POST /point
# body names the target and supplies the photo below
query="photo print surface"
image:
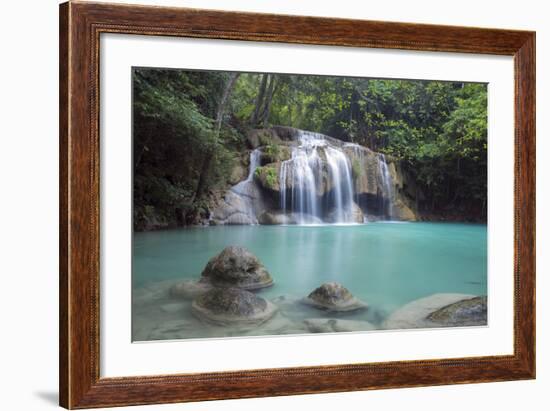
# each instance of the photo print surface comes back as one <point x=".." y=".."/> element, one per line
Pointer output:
<point x="280" y="204"/>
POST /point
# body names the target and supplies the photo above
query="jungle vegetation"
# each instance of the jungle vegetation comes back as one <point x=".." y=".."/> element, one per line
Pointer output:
<point x="190" y="127"/>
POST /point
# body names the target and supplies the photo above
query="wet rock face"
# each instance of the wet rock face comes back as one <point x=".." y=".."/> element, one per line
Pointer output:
<point x="237" y="267"/>
<point x="355" y="215"/>
<point x="468" y="312"/>
<point x="233" y="210"/>
<point x="402" y="211"/>
<point x="238" y="172"/>
<point x="334" y="297"/>
<point x="232" y="305"/>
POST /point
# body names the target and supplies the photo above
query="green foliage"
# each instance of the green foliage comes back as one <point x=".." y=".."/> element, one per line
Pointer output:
<point x="175" y="142"/>
<point x="268" y="176"/>
<point x="265" y="138"/>
<point x="437" y="130"/>
<point x="272" y="152"/>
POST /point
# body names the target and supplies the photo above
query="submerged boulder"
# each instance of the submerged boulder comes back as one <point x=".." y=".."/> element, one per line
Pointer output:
<point x="330" y="325"/>
<point x="416" y="313"/>
<point x="333" y="297"/>
<point x="226" y="306"/>
<point x="466" y="312"/>
<point x="237" y="267"/>
<point x="190" y="288"/>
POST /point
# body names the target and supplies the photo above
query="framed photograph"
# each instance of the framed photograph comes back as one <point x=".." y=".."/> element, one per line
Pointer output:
<point x="259" y="205"/>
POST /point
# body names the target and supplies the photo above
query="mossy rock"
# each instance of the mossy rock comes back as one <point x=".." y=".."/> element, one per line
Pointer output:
<point x="238" y="173"/>
<point x="268" y="177"/>
<point x="275" y="153"/>
<point x="266" y="137"/>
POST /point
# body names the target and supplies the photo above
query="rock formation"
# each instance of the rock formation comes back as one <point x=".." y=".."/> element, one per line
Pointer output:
<point x="237" y="267"/>
<point x="467" y="312"/>
<point x="227" y="306"/>
<point x="234" y="267"/>
<point x="333" y="297"/>
<point x="301" y="177"/>
<point x="440" y="310"/>
<point x="190" y="289"/>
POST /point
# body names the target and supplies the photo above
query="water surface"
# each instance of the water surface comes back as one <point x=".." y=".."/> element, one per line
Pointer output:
<point x="385" y="264"/>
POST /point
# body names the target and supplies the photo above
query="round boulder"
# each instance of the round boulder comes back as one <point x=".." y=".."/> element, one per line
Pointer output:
<point x="237" y="267"/>
<point x="227" y="306"/>
<point x="333" y="297"/>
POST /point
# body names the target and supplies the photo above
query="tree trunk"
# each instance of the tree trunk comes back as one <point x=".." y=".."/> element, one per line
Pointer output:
<point x="207" y="160"/>
<point x="201" y="184"/>
<point x="225" y="97"/>
<point x="259" y="100"/>
<point x="268" y="99"/>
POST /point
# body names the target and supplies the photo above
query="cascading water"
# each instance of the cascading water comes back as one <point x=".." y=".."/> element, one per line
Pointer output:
<point x="316" y="185"/>
<point x="302" y="177"/>
<point x="340" y="173"/>
<point x="255" y="156"/>
<point x="387" y="184"/>
<point x="359" y="156"/>
<point x="246" y="188"/>
<point x="301" y="171"/>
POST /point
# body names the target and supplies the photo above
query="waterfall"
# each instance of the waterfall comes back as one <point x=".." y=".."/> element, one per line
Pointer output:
<point x="322" y="181"/>
<point x="340" y="173"/>
<point x="255" y="156"/>
<point x="387" y="184"/>
<point x="246" y="191"/>
<point x="302" y="176"/>
<point x="359" y="157"/>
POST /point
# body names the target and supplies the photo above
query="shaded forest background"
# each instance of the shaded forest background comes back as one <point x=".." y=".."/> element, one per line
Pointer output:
<point x="190" y="127"/>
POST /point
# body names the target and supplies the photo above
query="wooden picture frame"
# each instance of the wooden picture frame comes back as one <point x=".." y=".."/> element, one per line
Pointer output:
<point x="80" y="27"/>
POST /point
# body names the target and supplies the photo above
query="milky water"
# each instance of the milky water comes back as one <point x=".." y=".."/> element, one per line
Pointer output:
<point x="387" y="184"/>
<point x="305" y="169"/>
<point x="385" y="264"/>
